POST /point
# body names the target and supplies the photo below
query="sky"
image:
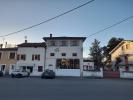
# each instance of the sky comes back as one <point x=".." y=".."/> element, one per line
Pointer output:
<point x="19" y="14"/>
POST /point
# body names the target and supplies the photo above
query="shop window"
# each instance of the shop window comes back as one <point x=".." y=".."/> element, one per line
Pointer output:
<point x="67" y="63"/>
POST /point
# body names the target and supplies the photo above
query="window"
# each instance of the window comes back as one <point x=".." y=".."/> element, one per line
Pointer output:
<point x="18" y="57"/>
<point x="36" y="57"/>
<point x="32" y="57"/>
<point x="122" y="48"/>
<point x="12" y="56"/>
<point x="67" y="63"/>
<point x="40" y="68"/>
<point x="12" y="66"/>
<point x="52" y="43"/>
<point x="75" y="43"/>
<point x="30" y="69"/>
<point x="63" y="54"/>
<point x="0" y="55"/>
<point x="127" y="46"/>
<point x="3" y="67"/>
<point x="51" y="54"/>
<point x="63" y="43"/>
<point x="23" y="57"/>
<point x="74" y="54"/>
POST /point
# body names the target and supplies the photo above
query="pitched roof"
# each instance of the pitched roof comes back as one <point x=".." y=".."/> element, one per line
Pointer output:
<point x="121" y="43"/>
<point x="9" y="49"/>
<point x="64" y="38"/>
<point x="42" y="44"/>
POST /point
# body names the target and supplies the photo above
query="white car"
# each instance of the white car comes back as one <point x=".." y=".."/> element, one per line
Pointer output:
<point x="19" y="74"/>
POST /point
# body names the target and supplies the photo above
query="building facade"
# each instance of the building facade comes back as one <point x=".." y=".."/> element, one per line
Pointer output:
<point x="64" y="55"/>
<point x="31" y="58"/>
<point x="7" y="59"/>
<point x="122" y="55"/>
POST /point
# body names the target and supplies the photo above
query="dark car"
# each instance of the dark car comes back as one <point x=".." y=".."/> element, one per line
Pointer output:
<point x="1" y="73"/>
<point x="48" y="74"/>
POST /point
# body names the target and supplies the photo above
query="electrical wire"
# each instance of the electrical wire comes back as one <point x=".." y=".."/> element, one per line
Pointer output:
<point x="48" y="19"/>
<point x="117" y="23"/>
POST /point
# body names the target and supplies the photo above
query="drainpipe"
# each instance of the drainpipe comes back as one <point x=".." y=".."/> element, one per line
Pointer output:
<point x="45" y="48"/>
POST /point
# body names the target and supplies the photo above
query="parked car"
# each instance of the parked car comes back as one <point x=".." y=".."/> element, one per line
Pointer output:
<point x="1" y="74"/>
<point x="48" y="74"/>
<point x="19" y="74"/>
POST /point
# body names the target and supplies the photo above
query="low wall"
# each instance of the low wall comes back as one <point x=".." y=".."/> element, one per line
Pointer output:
<point x="126" y="74"/>
<point x="67" y="72"/>
<point x="93" y="73"/>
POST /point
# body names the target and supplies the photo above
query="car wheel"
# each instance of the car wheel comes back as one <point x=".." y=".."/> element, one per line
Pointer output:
<point x="19" y="75"/>
<point x="12" y="76"/>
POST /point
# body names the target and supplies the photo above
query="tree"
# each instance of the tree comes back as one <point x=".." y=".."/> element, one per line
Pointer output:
<point x="118" y="60"/>
<point x="96" y="53"/>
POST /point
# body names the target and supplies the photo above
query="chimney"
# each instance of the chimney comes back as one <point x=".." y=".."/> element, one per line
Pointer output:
<point x="50" y="35"/>
<point x="25" y="39"/>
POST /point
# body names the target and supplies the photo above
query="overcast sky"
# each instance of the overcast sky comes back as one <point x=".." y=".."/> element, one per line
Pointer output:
<point x="19" y="14"/>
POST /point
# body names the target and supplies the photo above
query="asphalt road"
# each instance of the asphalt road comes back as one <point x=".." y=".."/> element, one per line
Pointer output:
<point x="65" y="89"/>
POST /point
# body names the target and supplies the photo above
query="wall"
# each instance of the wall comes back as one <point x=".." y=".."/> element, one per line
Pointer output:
<point x="29" y="51"/>
<point x="93" y="73"/>
<point x="67" y="72"/>
<point x="58" y="50"/>
<point x="126" y="74"/>
<point x="5" y="59"/>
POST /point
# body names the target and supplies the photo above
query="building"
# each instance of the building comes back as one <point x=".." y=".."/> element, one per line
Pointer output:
<point x="88" y="64"/>
<point x="122" y="55"/>
<point x="7" y="59"/>
<point x="31" y="57"/>
<point x="64" y="55"/>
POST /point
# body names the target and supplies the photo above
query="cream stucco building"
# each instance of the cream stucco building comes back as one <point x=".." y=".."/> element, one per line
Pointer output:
<point x="7" y="59"/>
<point x="124" y="51"/>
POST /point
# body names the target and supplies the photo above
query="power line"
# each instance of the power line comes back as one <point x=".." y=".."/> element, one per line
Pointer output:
<point x="117" y="23"/>
<point x="48" y="19"/>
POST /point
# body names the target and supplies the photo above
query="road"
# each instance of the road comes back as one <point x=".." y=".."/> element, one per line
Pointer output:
<point x="65" y="89"/>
